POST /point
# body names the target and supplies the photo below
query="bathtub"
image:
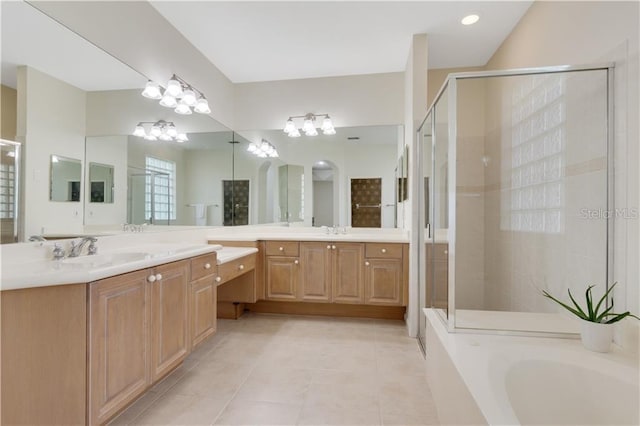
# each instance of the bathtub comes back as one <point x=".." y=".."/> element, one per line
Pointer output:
<point x="512" y="380"/>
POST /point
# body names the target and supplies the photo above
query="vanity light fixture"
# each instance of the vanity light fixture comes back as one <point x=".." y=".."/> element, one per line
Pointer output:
<point x="309" y="125"/>
<point x="263" y="149"/>
<point x="179" y="95"/>
<point x="163" y="130"/>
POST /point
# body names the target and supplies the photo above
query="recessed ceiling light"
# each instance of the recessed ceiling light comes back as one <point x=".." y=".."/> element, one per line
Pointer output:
<point x="470" y="19"/>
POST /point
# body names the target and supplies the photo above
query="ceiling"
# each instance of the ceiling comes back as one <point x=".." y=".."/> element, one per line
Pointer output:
<point x="268" y="40"/>
<point x="31" y="38"/>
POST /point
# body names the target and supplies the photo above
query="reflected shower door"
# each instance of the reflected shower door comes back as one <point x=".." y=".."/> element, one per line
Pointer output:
<point x="366" y="200"/>
<point x="236" y="202"/>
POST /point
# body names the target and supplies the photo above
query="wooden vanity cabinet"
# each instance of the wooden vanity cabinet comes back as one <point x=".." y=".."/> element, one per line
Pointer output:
<point x="331" y="272"/>
<point x="282" y="270"/>
<point x="202" y="298"/>
<point x="315" y="276"/>
<point x="170" y="321"/>
<point x="385" y="279"/>
<point x="139" y="331"/>
<point x="119" y="343"/>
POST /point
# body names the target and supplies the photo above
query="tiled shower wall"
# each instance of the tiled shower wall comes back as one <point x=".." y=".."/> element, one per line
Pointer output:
<point x="542" y="161"/>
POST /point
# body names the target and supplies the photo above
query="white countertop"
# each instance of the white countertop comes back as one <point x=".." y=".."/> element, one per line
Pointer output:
<point x="294" y="234"/>
<point x="46" y="272"/>
<point x="228" y="254"/>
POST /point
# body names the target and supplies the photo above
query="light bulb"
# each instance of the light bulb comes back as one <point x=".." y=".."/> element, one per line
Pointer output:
<point x="274" y="154"/>
<point x="262" y="154"/>
<point x="139" y="131"/>
<point x="151" y="138"/>
<point x="308" y="125"/>
<point x="326" y="123"/>
<point x="251" y="148"/>
<point x="168" y="100"/>
<point x="182" y="137"/>
<point x="290" y="126"/>
<point x="182" y="108"/>
<point x="165" y="137"/>
<point x="171" y="130"/>
<point x="189" y="97"/>
<point x="311" y="132"/>
<point x="174" y="88"/>
<point x="202" y="106"/>
<point x="330" y="131"/>
<point x="295" y="133"/>
<point x="152" y="90"/>
<point x="155" y="131"/>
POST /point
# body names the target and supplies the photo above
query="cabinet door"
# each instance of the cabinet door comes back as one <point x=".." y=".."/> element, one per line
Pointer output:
<point x="203" y="309"/>
<point x="282" y="278"/>
<point x="119" y="316"/>
<point x="383" y="282"/>
<point x="315" y="282"/>
<point x="348" y="279"/>
<point x="169" y="307"/>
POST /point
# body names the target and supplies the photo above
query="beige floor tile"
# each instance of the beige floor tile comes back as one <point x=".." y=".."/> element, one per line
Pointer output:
<point x="314" y="415"/>
<point x="400" y="362"/>
<point x="127" y="416"/>
<point x="164" y="410"/>
<point x="338" y="377"/>
<point x="220" y="381"/>
<point x="347" y="357"/>
<point x="259" y="413"/>
<point x="352" y="396"/>
<point x="286" y="385"/>
<point x="406" y="419"/>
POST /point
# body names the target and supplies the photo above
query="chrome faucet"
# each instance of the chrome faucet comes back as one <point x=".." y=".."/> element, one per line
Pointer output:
<point x="37" y="238"/>
<point x="76" y="248"/>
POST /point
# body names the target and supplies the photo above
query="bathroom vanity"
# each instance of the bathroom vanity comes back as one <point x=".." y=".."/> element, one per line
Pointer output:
<point x="86" y="336"/>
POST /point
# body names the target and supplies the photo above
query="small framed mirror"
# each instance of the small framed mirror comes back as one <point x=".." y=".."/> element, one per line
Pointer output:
<point x="100" y="183"/>
<point x="66" y="179"/>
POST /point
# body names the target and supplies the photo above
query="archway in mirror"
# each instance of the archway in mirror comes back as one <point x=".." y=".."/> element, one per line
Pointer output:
<point x="325" y="191"/>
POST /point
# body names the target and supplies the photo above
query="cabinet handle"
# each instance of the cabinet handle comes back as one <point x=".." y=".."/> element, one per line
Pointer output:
<point x="446" y="252"/>
<point x="383" y="250"/>
<point x="329" y="247"/>
<point x="218" y="279"/>
<point x="281" y="248"/>
<point x="207" y="266"/>
<point x="151" y="278"/>
<point x="296" y="261"/>
<point x="158" y="277"/>
<point x="333" y="247"/>
<point x="241" y="267"/>
<point x="366" y="263"/>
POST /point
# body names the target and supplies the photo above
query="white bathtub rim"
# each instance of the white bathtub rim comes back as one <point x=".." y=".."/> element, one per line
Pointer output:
<point x="482" y="361"/>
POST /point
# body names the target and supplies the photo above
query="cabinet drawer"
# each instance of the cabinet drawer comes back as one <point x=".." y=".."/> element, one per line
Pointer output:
<point x="202" y="266"/>
<point x="282" y="248"/>
<point x="230" y="270"/>
<point x="383" y="250"/>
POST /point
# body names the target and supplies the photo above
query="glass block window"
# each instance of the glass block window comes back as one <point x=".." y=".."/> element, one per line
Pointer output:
<point x="160" y="189"/>
<point x="535" y="168"/>
<point x="7" y="187"/>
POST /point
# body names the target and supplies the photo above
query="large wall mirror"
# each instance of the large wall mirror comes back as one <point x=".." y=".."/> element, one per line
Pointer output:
<point x="212" y="179"/>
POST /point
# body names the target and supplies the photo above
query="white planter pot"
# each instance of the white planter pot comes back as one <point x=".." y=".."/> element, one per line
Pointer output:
<point x="595" y="336"/>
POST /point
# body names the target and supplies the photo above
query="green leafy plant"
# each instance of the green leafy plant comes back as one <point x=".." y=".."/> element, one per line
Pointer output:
<point x="592" y="314"/>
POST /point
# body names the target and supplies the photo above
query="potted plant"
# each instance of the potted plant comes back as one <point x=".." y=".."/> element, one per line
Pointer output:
<point x="596" y="325"/>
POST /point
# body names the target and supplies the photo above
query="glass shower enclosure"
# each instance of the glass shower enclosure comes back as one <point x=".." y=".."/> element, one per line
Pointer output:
<point x="518" y="170"/>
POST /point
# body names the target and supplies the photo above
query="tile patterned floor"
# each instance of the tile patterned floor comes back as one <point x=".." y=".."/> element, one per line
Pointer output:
<point x="294" y="370"/>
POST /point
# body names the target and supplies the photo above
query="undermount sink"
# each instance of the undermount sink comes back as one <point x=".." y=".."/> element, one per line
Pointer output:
<point x="107" y="259"/>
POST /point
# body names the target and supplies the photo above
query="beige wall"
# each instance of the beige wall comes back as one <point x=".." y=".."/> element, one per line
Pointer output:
<point x="8" y="111"/>
<point x="555" y="33"/>
<point x="437" y="77"/>
<point x="362" y="100"/>
<point x="46" y="131"/>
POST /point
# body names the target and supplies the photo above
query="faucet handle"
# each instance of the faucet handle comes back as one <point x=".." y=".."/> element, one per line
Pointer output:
<point x="93" y="249"/>
<point x="58" y="252"/>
